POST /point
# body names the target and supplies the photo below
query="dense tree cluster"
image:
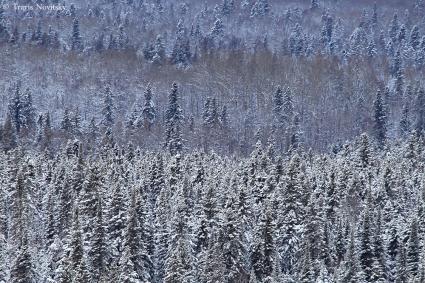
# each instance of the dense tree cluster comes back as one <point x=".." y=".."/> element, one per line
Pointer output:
<point x="136" y="216"/>
<point x="212" y="141"/>
<point x="108" y="66"/>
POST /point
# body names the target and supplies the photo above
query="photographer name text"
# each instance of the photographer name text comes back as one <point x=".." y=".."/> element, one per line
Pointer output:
<point x="17" y="7"/>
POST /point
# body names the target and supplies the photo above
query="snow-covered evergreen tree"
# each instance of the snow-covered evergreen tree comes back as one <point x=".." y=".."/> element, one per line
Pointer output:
<point x="174" y="122"/>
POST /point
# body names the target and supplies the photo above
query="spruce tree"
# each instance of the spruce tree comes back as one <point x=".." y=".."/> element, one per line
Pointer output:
<point x="260" y="8"/>
<point x="217" y="31"/>
<point x="8" y="138"/>
<point x="108" y="109"/>
<point x="278" y="121"/>
<point x="380" y="119"/>
<point x="66" y="123"/>
<point x="351" y="262"/>
<point x="76" y="40"/>
<point x="76" y="123"/>
<point x="47" y="132"/>
<point x="14" y="37"/>
<point x="15" y="108"/>
<point x="395" y="64"/>
<point x="3" y="29"/>
<point x="28" y="111"/>
<point x="149" y="111"/>
<point x="89" y="199"/>
<point x="375" y="14"/>
<point x="420" y="108"/>
<point x="307" y="271"/>
<point x="413" y="251"/>
<point x="366" y="249"/>
<point x="263" y="248"/>
<point x="181" y="54"/>
<point x="135" y="261"/>
<point x="23" y="268"/>
<point x="97" y="239"/>
<point x="414" y="37"/>
<point x="401" y="269"/>
<point x="394" y="28"/>
<point x="180" y="262"/>
<point x="99" y="44"/>
<point x="74" y="252"/>
<point x="291" y="215"/>
<point x="173" y="122"/>
<point x="405" y="122"/>
<point x="364" y="151"/>
<point x="159" y="56"/>
<point x="296" y="139"/>
<point x="92" y="134"/>
<point x="378" y="251"/>
<point x="162" y="212"/>
<point x="234" y="245"/>
<point x="116" y="220"/>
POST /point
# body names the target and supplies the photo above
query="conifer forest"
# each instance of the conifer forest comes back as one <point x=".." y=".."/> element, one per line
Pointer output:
<point x="212" y="141"/>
